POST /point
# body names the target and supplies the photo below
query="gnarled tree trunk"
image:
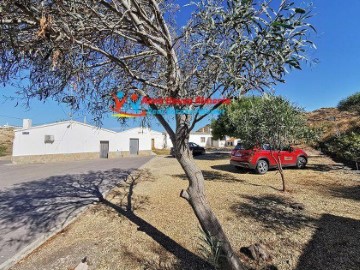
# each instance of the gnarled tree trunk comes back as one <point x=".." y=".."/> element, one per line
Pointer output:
<point x="195" y="195"/>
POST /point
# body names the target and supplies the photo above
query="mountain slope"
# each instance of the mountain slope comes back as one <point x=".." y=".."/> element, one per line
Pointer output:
<point x="332" y="121"/>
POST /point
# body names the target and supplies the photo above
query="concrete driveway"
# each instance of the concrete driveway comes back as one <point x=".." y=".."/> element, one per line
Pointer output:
<point x="37" y="198"/>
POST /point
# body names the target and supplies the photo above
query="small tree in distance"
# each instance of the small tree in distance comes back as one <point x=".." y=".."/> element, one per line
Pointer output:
<point x="351" y="103"/>
<point x="268" y="119"/>
<point x="98" y="48"/>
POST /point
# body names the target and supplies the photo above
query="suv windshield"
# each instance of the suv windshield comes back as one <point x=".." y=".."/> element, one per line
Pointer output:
<point x="191" y="144"/>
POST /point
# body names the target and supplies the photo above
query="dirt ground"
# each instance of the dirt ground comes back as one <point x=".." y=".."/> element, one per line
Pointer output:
<point x="146" y="225"/>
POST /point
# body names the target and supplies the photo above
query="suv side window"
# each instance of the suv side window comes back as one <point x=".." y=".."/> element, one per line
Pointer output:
<point x="266" y="147"/>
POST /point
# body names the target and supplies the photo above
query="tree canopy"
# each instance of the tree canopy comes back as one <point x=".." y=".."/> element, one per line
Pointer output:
<point x="80" y="51"/>
<point x="267" y="119"/>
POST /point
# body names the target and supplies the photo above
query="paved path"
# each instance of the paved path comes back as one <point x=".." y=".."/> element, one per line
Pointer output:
<point x="36" y="198"/>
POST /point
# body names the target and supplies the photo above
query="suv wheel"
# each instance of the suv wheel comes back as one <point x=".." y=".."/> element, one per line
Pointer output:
<point x="262" y="167"/>
<point x="301" y="162"/>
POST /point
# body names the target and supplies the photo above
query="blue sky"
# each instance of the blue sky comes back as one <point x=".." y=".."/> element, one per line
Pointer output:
<point x="336" y="76"/>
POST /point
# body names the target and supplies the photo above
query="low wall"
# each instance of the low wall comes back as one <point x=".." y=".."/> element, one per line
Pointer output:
<point x="71" y="157"/>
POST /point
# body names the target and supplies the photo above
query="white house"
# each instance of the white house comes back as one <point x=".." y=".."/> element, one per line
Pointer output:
<point x="201" y="137"/>
<point x="72" y="140"/>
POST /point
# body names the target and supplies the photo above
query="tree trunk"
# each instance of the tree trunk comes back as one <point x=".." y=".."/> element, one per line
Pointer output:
<point x="280" y="169"/>
<point x="195" y="195"/>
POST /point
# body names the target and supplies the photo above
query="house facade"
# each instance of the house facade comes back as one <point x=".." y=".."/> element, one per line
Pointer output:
<point x="72" y="140"/>
<point x="202" y="137"/>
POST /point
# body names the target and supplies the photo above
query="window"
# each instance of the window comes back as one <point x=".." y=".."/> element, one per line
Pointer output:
<point x="49" y="139"/>
<point x="25" y="133"/>
<point x="202" y="139"/>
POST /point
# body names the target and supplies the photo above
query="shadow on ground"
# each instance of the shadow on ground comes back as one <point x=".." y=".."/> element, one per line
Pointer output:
<point x="213" y="156"/>
<point x="213" y="176"/>
<point x="208" y="156"/>
<point x="37" y="207"/>
<point x="232" y="169"/>
<point x="334" y="246"/>
<point x="347" y="192"/>
<point x="327" y="167"/>
<point x="273" y="212"/>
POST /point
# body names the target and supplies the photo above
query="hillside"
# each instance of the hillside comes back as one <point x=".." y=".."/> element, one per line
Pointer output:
<point x="6" y="141"/>
<point x="332" y="121"/>
<point x="340" y="138"/>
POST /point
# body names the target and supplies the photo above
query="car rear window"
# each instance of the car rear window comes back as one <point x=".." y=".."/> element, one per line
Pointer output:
<point x="239" y="146"/>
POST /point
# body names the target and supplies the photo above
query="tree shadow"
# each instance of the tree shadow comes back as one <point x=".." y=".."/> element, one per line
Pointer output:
<point x="164" y="260"/>
<point x="347" y="192"/>
<point x="213" y="156"/>
<point x="208" y="156"/>
<point x="334" y="246"/>
<point x="327" y="167"/>
<point x="273" y="212"/>
<point x="31" y="209"/>
<point x="232" y="169"/>
<point x="213" y="176"/>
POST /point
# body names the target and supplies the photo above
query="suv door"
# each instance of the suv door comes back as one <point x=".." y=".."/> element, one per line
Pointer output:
<point x="287" y="157"/>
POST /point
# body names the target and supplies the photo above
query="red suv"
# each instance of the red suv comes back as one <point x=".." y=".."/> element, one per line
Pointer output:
<point x="262" y="158"/>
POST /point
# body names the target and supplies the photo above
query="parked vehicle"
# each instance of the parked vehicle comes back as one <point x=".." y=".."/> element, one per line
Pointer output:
<point x="195" y="149"/>
<point x="261" y="159"/>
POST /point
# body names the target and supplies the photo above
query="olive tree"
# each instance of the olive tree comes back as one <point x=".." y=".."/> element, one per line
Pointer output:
<point x="268" y="119"/>
<point x="100" y="47"/>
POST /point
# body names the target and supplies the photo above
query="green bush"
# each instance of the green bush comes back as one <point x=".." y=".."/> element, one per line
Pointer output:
<point x="351" y="103"/>
<point x="345" y="147"/>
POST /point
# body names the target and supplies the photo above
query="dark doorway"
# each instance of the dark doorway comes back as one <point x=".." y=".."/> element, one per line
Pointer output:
<point x="134" y="146"/>
<point x="104" y="149"/>
<point x="152" y="144"/>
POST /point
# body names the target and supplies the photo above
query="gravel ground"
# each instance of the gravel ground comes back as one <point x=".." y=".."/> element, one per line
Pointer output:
<point x="157" y="229"/>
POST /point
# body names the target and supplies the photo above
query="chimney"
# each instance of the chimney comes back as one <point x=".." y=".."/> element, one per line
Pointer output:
<point x="27" y="123"/>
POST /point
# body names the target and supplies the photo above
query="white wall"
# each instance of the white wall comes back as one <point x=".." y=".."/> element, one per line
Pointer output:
<point x="203" y="140"/>
<point x="169" y="143"/>
<point x="195" y="138"/>
<point x="218" y="143"/>
<point x="75" y="137"/>
<point x="159" y="139"/>
<point x="143" y="134"/>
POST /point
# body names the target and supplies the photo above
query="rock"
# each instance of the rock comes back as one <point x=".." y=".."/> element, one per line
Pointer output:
<point x="257" y="252"/>
<point x="297" y="206"/>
